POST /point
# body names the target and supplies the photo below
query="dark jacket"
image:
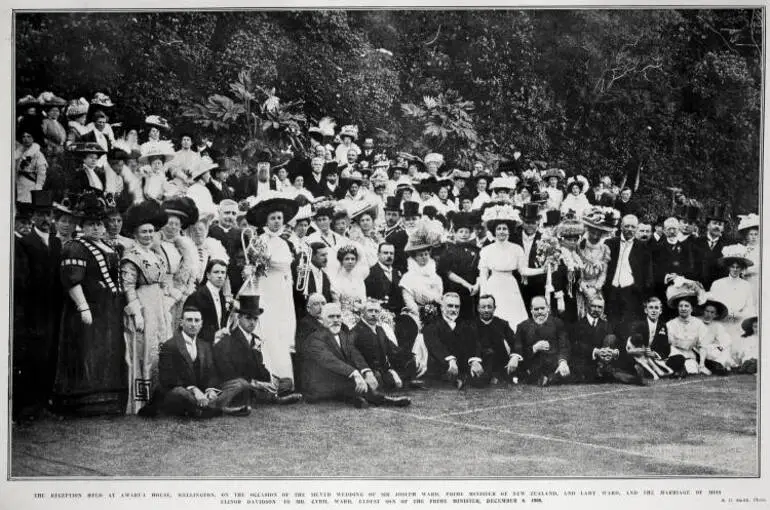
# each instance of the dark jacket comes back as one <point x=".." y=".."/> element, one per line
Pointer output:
<point x="528" y="333"/>
<point x="441" y="342"/>
<point x="493" y="338"/>
<point x="586" y="338"/>
<point x="176" y="368"/>
<point x="660" y="342"/>
<point x="379" y="287"/>
<point x="639" y="259"/>
<point x="707" y="260"/>
<point x="678" y="258"/>
<point x="203" y="299"/>
<point x="376" y="348"/>
<point x="306" y="326"/>
<point x="217" y="195"/>
<point x="235" y="358"/>
<point x="326" y="366"/>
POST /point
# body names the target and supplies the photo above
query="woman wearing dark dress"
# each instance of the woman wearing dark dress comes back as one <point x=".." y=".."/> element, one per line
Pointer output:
<point x="90" y="374"/>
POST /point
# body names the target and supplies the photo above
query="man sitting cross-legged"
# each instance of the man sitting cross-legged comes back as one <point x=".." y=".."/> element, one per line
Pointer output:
<point x="497" y="340"/>
<point x="392" y="366"/>
<point x="543" y="344"/>
<point x="238" y="357"/>
<point x="333" y="369"/>
<point x="188" y="377"/>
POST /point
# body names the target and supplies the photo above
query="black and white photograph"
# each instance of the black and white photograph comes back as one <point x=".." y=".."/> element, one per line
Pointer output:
<point x="386" y="243"/>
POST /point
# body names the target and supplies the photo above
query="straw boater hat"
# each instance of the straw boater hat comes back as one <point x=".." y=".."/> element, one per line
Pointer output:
<point x="683" y="288"/>
<point x="269" y="203"/>
<point x="712" y="301"/>
<point x="163" y="149"/>
<point x="183" y="208"/>
<point x="600" y="218"/>
<point x="427" y="234"/>
<point x="735" y="254"/>
<point x="748" y="221"/>
<point x="496" y="214"/>
<point x="360" y="207"/>
<point x="145" y="212"/>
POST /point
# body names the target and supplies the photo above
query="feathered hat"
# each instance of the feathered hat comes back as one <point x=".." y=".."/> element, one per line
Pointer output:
<point x="433" y="157"/>
<point x="121" y="150"/>
<point x="158" y="122"/>
<point x="49" y="99"/>
<point x="325" y="208"/>
<point x="143" y="213"/>
<point x="496" y="214"/>
<point x="601" y="218"/>
<point x="748" y="221"/>
<point x="90" y="205"/>
<point x="570" y="228"/>
<point x="508" y="183"/>
<point x="325" y="128"/>
<point x="579" y="181"/>
<point x="103" y="100"/>
<point x="427" y="234"/>
<point x="183" y="208"/>
<point x="77" y="107"/>
<point x="554" y="172"/>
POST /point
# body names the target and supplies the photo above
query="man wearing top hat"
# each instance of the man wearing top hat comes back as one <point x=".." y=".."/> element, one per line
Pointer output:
<point x="238" y="356"/>
<point x="708" y="248"/>
<point x="688" y="218"/>
<point x="41" y="250"/>
<point x="398" y="236"/>
<point x="527" y="238"/>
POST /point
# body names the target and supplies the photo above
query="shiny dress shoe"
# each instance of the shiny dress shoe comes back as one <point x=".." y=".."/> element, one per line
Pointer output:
<point x="360" y="403"/>
<point x="208" y="412"/>
<point x="417" y="384"/>
<point x="396" y="401"/>
<point x="291" y="398"/>
<point x="237" y="411"/>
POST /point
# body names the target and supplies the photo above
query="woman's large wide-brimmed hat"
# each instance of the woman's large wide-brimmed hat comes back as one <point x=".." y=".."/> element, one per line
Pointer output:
<point x="735" y="254"/>
<point x="427" y="234"/>
<point x="721" y="308"/>
<point x="272" y="202"/>
<point x="90" y="206"/>
<point x="683" y="288"/>
<point x="183" y="208"/>
<point x="49" y="99"/>
<point x="748" y="221"/>
<point x="161" y="149"/>
<point x="205" y="165"/>
<point x="77" y="107"/>
<point x="554" y="172"/>
<point x="158" y="122"/>
<point x="357" y="208"/>
<point x="498" y="214"/>
<point x="601" y="218"/>
<point x="85" y="148"/>
<point x="147" y="212"/>
<point x="570" y="228"/>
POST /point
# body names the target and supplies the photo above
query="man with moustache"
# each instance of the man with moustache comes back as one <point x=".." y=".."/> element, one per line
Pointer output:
<point x="644" y="233"/>
<point x="333" y="369"/>
<point x="672" y="257"/>
<point x="398" y="234"/>
<point x="382" y="280"/>
<point x="527" y="238"/>
<point x="543" y="344"/>
<point x="708" y="248"/>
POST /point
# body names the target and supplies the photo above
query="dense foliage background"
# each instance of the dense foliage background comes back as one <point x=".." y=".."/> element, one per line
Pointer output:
<point x="675" y="94"/>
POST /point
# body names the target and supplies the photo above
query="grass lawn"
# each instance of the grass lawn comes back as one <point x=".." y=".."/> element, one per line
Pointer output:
<point x="701" y="426"/>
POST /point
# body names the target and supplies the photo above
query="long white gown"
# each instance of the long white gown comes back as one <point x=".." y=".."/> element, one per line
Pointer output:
<point x="502" y="259"/>
<point x="277" y="324"/>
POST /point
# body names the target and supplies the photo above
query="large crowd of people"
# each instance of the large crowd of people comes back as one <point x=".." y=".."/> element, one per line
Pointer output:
<point x="154" y="276"/>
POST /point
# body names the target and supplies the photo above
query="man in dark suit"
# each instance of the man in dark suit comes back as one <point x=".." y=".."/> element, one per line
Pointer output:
<point x="542" y="344"/>
<point x="382" y="281"/>
<point x="496" y="339"/>
<point x="653" y="328"/>
<point x="315" y="181"/>
<point x="306" y="326"/>
<point x="454" y="353"/>
<point x="226" y="230"/>
<point x="35" y="349"/>
<point x="597" y="354"/>
<point x="629" y="275"/>
<point x="189" y="385"/>
<point x="318" y="281"/>
<point x="395" y="232"/>
<point x="392" y="366"/>
<point x="237" y="356"/>
<point x="527" y="238"/>
<point x="670" y="258"/>
<point x="333" y="369"/>
<point x="210" y="300"/>
<point x="708" y="248"/>
<point x="217" y="185"/>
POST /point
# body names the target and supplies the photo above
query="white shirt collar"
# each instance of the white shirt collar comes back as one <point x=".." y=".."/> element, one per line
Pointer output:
<point x="214" y="291"/>
<point x="385" y="268"/>
<point x="452" y="324"/>
<point x="43" y="235"/>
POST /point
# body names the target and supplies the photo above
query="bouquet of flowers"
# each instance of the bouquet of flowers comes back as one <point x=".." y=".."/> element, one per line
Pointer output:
<point x="548" y="252"/>
<point x="256" y="253"/>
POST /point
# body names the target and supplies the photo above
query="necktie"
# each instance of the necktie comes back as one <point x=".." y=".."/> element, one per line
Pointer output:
<point x="253" y="341"/>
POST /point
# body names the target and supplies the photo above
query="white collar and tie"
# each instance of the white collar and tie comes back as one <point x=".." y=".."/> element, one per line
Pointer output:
<point x="43" y="235"/>
<point x="217" y="303"/>
<point x="452" y="324"/>
<point x="251" y="338"/>
<point x="387" y="270"/>
<point x="592" y="321"/>
<point x="192" y="347"/>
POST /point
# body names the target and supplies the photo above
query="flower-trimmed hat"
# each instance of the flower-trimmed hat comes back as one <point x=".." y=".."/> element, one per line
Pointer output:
<point x="147" y="212"/>
<point x="90" y="205"/>
<point x="349" y="130"/>
<point x="579" y="181"/>
<point x="495" y="214"/>
<point x="554" y="172"/>
<point x="158" y="122"/>
<point x="509" y="183"/>
<point x="601" y="218"/>
<point x="103" y="100"/>
<point x="683" y="288"/>
<point x="427" y="234"/>
<point x="433" y="157"/>
<point x="569" y="227"/>
<point x="325" y="208"/>
<point x="735" y="254"/>
<point x="269" y="203"/>
<point x="183" y="208"/>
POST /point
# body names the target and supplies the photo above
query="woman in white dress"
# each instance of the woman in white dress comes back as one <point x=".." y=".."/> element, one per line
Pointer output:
<point x="482" y="197"/>
<point x="277" y="324"/>
<point x="732" y="290"/>
<point x="499" y="260"/>
<point x="348" y="287"/>
<point x="576" y="200"/>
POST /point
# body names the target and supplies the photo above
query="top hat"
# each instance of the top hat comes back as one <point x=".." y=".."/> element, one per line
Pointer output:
<point x="41" y="199"/>
<point x="688" y="212"/>
<point x="552" y="217"/>
<point x="392" y="204"/>
<point x="248" y="304"/>
<point x="410" y="209"/>
<point x="23" y="210"/>
<point x="717" y="212"/>
<point x="530" y="212"/>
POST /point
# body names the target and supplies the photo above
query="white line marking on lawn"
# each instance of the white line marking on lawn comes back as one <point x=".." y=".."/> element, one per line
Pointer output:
<point x="562" y="399"/>
<point x="562" y="440"/>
